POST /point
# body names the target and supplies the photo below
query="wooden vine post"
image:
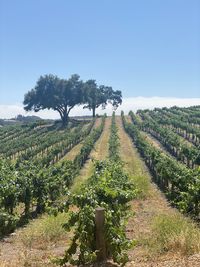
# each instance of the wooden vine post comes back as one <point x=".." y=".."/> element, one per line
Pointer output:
<point x="100" y="236"/>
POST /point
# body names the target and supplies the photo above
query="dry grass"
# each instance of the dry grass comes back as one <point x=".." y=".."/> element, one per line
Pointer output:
<point x="174" y="233"/>
<point x="47" y="230"/>
<point x="34" y="244"/>
<point x="132" y="162"/>
<point x="84" y="174"/>
<point x="73" y="152"/>
<point x="99" y="152"/>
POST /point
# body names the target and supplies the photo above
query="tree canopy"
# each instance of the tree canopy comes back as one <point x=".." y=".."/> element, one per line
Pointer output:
<point x="54" y="93"/>
<point x="95" y="96"/>
<point x="62" y="95"/>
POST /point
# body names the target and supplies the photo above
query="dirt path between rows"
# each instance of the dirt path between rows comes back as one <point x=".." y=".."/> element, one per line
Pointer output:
<point x="151" y="203"/>
<point x="99" y="152"/>
<point x="75" y="150"/>
<point x="152" y="140"/>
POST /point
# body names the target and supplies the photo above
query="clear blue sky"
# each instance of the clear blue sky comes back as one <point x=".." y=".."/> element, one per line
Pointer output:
<point x="142" y="47"/>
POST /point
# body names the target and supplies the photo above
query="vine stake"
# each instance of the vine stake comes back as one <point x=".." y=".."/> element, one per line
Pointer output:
<point x="100" y="237"/>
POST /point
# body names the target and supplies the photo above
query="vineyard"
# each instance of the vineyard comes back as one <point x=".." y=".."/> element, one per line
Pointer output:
<point x="141" y="169"/>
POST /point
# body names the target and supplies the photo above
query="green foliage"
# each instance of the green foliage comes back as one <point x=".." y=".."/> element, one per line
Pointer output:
<point x="108" y="187"/>
<point x="8" y="223"/>
<point x="181" y="184"/>
<point x="62" y="95"/>
<point x="95" y="96"/>
<point x="38" y="183"/>
<point x="114" y="141"/>
<point x="187" y="153"/>
<point x="51" y="92"/>
<point x="88" y="145"/>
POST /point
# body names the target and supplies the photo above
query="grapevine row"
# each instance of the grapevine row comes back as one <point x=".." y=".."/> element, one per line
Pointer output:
<point x="29" y="184"/>
<point x="174" y="144"/>
<point x="110" y="188"/>
<point x="181" y="184"/>
<point x="184" y="129"/>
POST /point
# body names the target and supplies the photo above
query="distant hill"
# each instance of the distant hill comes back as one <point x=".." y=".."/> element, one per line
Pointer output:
<point x="5" y="122"/>
<point x="20" y="119"/>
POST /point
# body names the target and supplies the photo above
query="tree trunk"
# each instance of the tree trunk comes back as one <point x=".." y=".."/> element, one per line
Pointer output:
<point x="93" y="112"/>
<point x="65" y="120"/>
<point x="64" y="114"/>
<point x="64" y="117"/>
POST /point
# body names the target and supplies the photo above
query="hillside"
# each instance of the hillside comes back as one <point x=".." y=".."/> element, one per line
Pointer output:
<point x="143" y="168"/>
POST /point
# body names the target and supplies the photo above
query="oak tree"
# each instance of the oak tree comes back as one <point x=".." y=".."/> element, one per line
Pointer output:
<point x="95" y="96"/>
<point x="54" y="93"/>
